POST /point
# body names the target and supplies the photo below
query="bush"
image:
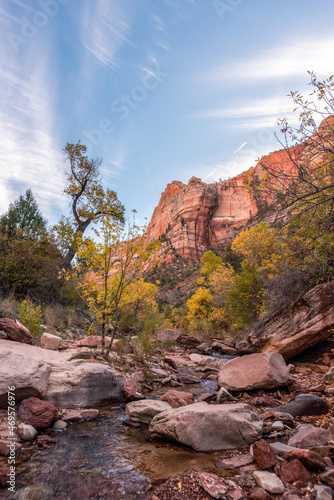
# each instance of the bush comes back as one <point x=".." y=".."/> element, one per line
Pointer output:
<point x="31" y="317"/>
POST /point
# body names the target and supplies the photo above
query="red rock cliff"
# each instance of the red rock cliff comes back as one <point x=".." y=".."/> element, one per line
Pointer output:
<point x="192" y="218"/>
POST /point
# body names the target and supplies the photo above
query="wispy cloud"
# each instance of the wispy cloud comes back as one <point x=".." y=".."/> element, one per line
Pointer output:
<point x="105" y="27"/>
<point x="30" y="156"/>
<point x="290" y="59"/>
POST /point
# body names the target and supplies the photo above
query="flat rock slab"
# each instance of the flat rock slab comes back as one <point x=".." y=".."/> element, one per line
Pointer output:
<point x="269" y="482"/>
<point x="214" y="485"/>
<point x="209" y="427"/>
<point x="254" y="371"/>
<point x="145" y="410"/>
<point x="236" y="461"/>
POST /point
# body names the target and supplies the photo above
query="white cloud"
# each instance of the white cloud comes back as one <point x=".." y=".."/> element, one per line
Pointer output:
<point x="290" y="59"/>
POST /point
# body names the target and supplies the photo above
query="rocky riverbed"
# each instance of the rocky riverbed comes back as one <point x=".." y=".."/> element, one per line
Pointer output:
<point x="186" y="425"/>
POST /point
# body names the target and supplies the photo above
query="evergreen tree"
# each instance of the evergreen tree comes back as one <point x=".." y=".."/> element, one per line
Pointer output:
<point x="23" y="218"/>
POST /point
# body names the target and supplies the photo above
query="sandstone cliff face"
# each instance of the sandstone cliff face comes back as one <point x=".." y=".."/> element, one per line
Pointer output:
<point x="299" y="326"/>
<point x="192" y="218"/>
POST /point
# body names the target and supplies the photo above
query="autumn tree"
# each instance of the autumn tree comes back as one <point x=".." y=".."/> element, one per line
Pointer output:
<point x="304" y="193"/>
<point x="113" y="261"/>
<point x="90" y="201"/>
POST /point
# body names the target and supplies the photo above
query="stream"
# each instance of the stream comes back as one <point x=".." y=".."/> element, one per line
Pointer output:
<point x="105" y="459"/>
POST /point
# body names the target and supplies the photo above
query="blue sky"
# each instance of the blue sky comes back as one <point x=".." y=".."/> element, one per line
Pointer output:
<point x="160" y="89"/>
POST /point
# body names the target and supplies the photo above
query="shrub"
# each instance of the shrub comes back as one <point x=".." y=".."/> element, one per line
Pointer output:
<point x="31" y="317"/>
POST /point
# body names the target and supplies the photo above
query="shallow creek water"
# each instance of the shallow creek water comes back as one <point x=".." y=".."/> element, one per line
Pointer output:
<point x="104" y="459"/>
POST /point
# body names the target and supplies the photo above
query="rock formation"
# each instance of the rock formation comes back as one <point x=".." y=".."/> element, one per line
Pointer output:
<point x="192" y="218"/>
<point x="303" y="324"/>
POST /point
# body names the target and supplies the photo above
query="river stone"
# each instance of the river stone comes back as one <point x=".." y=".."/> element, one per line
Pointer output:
<point x="143" y="411"/>
<point x="26" y="432"/>
<point x="82" y="385"/>
<point x="214" y="485"/>
<point x="307" y="436"/>
<point x="209" y="427"/>
<point x="76" y="415"/>
<point x="38" y="413"/>
<point x="59" y="425"/>
<point x="269" y="481"/>
<point x="29" y="376"/>
<point x="241" y="374"/>
<point x="305" y="405"/>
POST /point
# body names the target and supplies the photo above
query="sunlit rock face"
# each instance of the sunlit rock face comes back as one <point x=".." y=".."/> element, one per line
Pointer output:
<point x="192" y="218"/>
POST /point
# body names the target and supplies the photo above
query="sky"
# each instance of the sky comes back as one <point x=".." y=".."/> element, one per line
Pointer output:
<point x="162" y="90"/>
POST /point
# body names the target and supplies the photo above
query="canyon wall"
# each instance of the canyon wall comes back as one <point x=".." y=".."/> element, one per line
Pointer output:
<point x="192" y="218"/>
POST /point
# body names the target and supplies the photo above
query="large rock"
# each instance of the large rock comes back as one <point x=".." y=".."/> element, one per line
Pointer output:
<point x="49" y="341"/>
<point x="145" y="410"/>
<point x="29" y="376"/>
<point x="83" y="385"/>
<point x="295" y="471"/>
<point x="167" y="335"/>
<point x="40" y="414"/>
<point x="299" y="326"/>
<point x="209" y="427"/>
<point x="15" y="330"/>
<point x="305" y="405"/>
<point x="254" y="371"/>
<point x="269" y="481"/>
<point x="308" y="436"/>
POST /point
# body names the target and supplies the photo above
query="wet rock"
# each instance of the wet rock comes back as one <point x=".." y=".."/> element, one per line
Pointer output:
<point x="144" y="411"/>
<point x="44" y="441"/>
<point x="269" y="482"/>
<point x="236" y="461"/>
<point x="173" y="397"/>
<point x="295" y="471"/>
<point x="207" y="397"/>
<point x="15" y="330"/>
<point x="214" y="485"/>
<point x="4" y="475"/>
<point x="310" y="459"/>
<point x="259" y="494"/>
<point x="26" y="432"/>
<point x="49" y="341"/>
<point x="132" y="386"/>
<point x="5" y="447"/>
<point x="29" y="376"/>
<point x="280" y="448"/>
<point x="223" y="395"/>
<point x="59" y="425"/>
<point x="82" y="385"/>
<point x="264" y="455"/>
<point x="305" y="405"/>
<point x="322" y="492"/>
<point x="76" y="415"/>
<point x="307" y="436"/>
<point x="40" y="414"/>
<point x="223" y="348"/>
<point x="209" y="427"/>
<point x="243" y="373"/>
